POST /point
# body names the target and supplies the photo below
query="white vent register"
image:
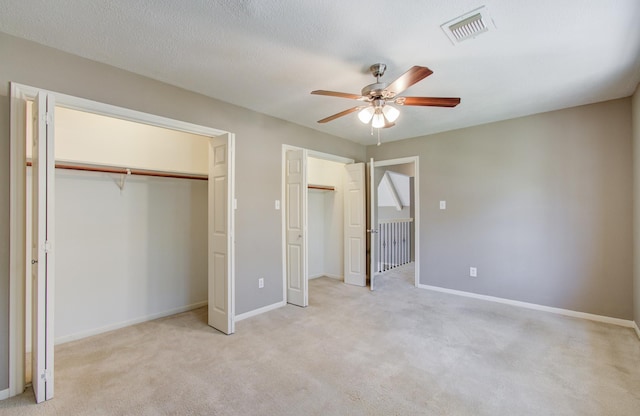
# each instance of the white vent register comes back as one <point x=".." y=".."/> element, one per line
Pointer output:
<point x="468" y="26"/>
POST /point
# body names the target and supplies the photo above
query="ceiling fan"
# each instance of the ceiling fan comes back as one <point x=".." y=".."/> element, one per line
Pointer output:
<point x="377" y="97"/>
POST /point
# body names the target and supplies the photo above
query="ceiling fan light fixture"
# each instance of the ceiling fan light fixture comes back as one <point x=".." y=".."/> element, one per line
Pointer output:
<point x="366" y="114"/>
<point x="391" y="113"/>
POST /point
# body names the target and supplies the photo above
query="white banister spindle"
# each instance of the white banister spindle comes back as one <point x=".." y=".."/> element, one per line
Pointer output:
<point x="404" y="243"/>
<point x="395" y="245"/>
<point x="401" y="243"/>
<point x="394" y="253"/>
<point x="407" y="237"/>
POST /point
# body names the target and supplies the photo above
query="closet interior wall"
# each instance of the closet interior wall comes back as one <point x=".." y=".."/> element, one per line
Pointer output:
<point x="128" y="248"/>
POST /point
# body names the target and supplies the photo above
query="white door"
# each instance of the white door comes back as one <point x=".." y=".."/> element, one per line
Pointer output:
<point x="296" y="226"/>
<point x="42" y="260"/>
<point x="373" y="226"/>
<point x="221" y="265"/>
<point x="355" y="240"/>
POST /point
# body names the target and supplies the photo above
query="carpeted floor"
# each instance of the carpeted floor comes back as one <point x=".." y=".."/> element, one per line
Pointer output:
<point x="396" y="351"/>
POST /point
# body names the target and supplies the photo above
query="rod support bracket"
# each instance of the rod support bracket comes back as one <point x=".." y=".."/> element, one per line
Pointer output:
<point x="123" y="179"/>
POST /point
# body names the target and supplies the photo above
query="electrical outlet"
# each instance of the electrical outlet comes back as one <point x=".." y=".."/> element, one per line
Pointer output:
<point x="260" y="283"/>
<point x="473" y="272"/>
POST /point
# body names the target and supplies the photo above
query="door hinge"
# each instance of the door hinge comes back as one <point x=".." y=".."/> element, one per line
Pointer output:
<point x="48" y="246"/>
<point x="45" y="376"/>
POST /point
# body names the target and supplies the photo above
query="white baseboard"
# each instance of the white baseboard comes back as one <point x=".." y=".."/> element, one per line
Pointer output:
<point x="4" y="394"/>
<point x="637" y="328"/>
<point x="332" y="276"/>
<point x="151" y="317"/>
<point x="260" y="310"/>
<point x="559" y="311"/>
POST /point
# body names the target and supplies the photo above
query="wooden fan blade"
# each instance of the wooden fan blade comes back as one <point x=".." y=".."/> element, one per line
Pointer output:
<point x="340" y="114"/>
<point x="415" y="74"/>
<point x="339" y="94"/>
<point x="428" y="101"/>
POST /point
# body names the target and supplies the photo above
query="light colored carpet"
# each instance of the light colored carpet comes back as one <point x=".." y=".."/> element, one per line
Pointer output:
<point x="396" y="351"/>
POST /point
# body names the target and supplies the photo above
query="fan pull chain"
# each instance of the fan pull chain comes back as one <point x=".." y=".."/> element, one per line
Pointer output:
<point x="379" y="137"/>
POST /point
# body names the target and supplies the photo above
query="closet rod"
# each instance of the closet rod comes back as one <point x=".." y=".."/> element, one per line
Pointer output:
<point x="124" y="171"/>
<point x="321" y="187"/>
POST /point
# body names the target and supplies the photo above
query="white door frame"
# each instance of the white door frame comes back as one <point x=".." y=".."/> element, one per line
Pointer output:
<point x="416" y="185"/>
<point x="310" y="153"/>
<point x="20" y="94"/>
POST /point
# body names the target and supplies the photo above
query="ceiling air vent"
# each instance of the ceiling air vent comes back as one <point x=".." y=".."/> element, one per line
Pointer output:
<point x="468" y="26"/>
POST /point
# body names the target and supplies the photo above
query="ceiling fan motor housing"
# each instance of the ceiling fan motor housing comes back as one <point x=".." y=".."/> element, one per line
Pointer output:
<point x="376" y="90"/>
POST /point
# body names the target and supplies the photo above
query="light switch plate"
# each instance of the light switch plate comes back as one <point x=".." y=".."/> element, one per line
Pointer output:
<point x="277" y="204"/>
<point x="443" y="204"/>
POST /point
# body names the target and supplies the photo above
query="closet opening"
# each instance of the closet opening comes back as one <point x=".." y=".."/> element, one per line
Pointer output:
<point x="132" y="221"/>
<point x="130" y="201"/>
<point x="324" y="221"/>
<point x="325" y="208"/>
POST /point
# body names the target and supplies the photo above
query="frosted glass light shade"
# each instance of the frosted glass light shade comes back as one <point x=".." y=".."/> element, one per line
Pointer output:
<point x="365" y="114"/>
<point x="390" y="113"/>
<point x="378" y="120"/>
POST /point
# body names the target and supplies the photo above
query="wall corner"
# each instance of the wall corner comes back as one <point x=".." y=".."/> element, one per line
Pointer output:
<point x="635" y="137"/>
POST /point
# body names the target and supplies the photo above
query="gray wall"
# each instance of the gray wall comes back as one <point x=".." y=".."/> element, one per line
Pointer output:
<point x="541" y="205"/>
<point x="405" y="169"/>
<point x="258" y="156"/>
<point x="636" y="208"/>
<point x="391" y="213"/>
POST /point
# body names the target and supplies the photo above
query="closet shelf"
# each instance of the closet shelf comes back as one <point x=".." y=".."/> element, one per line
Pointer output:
<point x="125" y="171"/>
<point x="322" y="187"/>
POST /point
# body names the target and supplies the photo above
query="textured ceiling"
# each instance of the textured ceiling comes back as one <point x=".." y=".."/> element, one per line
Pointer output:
<point x="267" y="55"/>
